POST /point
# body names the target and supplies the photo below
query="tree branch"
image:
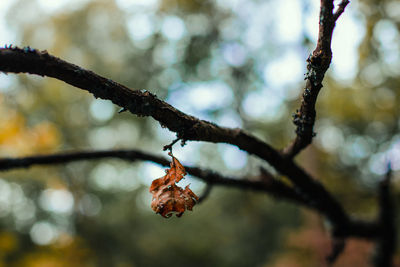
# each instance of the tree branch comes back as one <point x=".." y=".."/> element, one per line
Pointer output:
<point x="141" y="103"/>
<point x="317" y="64"/>
<point x="206" y="192"/>
<point x="265" y="183"/>
<point x="340" y="9"/>
<point x="27" y="60"/>
<point x="276" y="189"/>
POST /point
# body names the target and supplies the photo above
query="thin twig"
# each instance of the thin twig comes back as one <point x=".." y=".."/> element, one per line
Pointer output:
<point x="206" y="192"/>
<point x="317" y="64"/>
<point x="265" y="183"/>
<point x="340" y="9"/>
<point x="210" y="177"/>
<point x="169" y="147"/>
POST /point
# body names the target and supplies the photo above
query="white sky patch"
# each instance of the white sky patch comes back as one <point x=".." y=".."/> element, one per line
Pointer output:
<point x="347" y="36"/>
<point x="102" y="110"/>
<point x="6" y="82"/>
<point x="228" y="4"/>
<point x="288" y="20"/>
<point x="234" y="54"/>
<point x="357" y="147"/>
<point x="150" y="171"/>
<point x="52" y="5"/>
<point x="7" y="36"/>
<point x="229" y="118"/>
<point x="393" y="10"/>
<point x="252" y="37"/>
<point x="17" y="195"/>
<point x="12" y="199"/>
<point x="233" y="157"/>
<point x="58" y="201"/>
<point x="330" y="137"/>
<point x="22" y="208"/>
<point x="102" y="138"/>
<point x="245" y="9"/>
<point x="378" y="164"/>
<point x="127" y="180"/>
<point x="128" y="4"/>
<point x="128" y="133"/>
<point x="5" y="4"/>
<point x="165" y="54"/>
<point x="43" y="233"/>
<point x="372" y="74"/>
<point x="264" y="104"/>
<point x="104" y="176"/>
<point x="140" y="26"/>
<point x="311" y="20"/>
<point x="379" y="161"/>
<point x="188" y="154"/>
<point x="210" y="95"/>
<point x="169" y="77"/>
<point x="287" y="69"/>
<point x="258" y="26"/>
<point x="173" y="28"/>
<point x="394" y="154"/>
<point x="385" y="32"/>
<point x="200" y="96"/>
<point x="231" y="29"/>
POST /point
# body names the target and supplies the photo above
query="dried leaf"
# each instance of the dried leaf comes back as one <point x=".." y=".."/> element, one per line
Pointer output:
<point x="167" y="196"/>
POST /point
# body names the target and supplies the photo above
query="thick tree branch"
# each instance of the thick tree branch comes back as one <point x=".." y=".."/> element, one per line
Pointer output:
<point x="187" y="127"/>
<point x="141" y="103"/>
<point x="317" y="64"/>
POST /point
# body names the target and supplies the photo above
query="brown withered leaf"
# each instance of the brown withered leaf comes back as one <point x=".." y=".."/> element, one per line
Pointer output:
<point x="167" y="196"/>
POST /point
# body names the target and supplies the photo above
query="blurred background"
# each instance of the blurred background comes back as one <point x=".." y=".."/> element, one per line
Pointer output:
<point x="238" y="63"/>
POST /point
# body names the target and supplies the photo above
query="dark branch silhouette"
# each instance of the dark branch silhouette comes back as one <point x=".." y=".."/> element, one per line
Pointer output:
<point x="317" y="64"/>
<point x="264" y="183"/>
<point x="272" y="187"/>
<point x="187" y="127"/>
<point x="206" y="192"/>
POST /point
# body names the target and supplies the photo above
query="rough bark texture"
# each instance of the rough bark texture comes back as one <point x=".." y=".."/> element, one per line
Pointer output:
<point x="317" y="65"/>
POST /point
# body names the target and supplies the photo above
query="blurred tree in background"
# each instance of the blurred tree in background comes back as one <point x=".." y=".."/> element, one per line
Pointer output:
<point x="234" y="62"/>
